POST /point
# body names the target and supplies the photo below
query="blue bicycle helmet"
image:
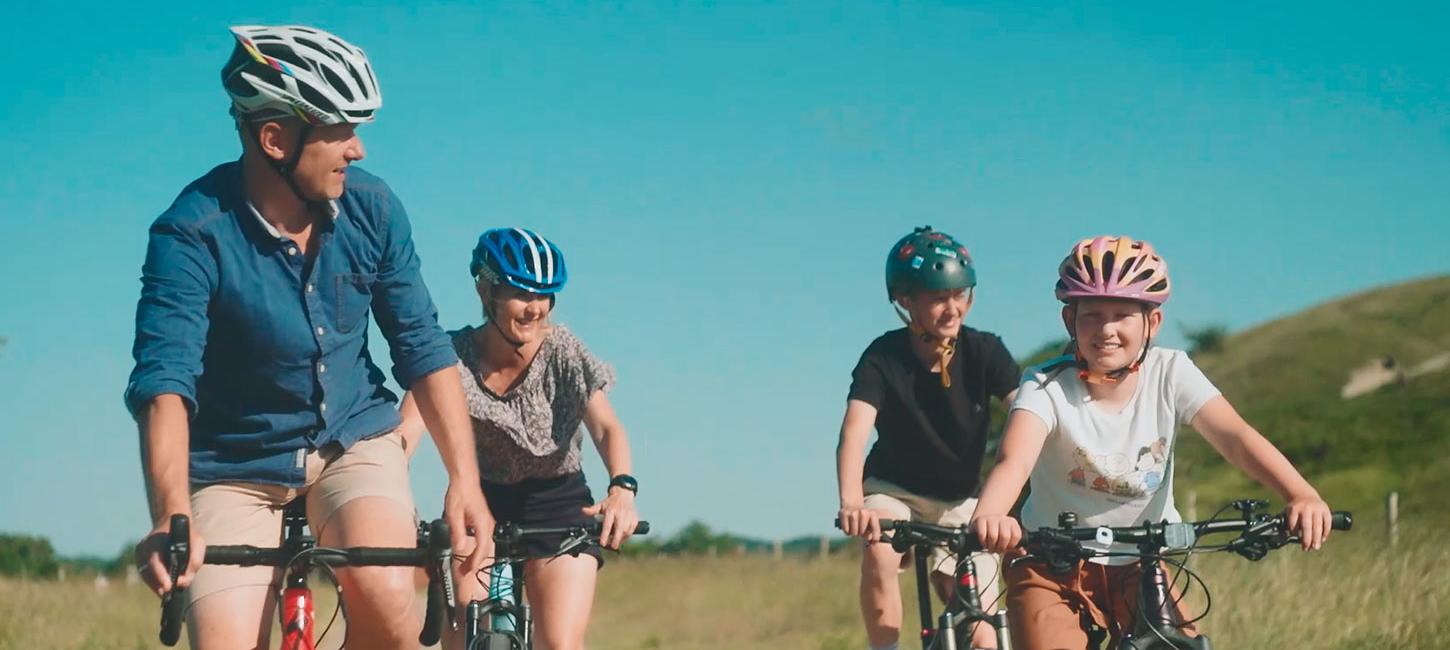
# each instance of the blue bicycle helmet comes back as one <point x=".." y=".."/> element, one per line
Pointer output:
<point x="521" y="258"/>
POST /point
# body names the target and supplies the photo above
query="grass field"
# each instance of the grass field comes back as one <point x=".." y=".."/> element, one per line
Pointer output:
<point x="1356" y="594"/>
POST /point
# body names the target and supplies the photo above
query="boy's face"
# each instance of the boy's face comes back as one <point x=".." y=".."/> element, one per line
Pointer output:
<point x="1111" y="333"/>
<point x="938" y="312"/>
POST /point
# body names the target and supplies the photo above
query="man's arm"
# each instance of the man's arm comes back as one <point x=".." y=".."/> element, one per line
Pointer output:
<point x="165" y="447"/>
<point x="171" y="334"/>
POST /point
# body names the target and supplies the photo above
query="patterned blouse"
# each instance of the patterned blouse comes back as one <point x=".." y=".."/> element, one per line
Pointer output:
<point x="532" y="431"/>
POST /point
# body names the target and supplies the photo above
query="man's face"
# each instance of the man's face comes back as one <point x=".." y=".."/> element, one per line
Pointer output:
<point x="321" y="170"/>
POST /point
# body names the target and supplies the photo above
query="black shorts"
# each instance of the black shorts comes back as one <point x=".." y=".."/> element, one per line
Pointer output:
<point x="548" y="502"/>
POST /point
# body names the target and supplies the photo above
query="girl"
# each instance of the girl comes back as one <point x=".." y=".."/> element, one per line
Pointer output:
<point x="529" y="385"/>
<point x="1096" y="430"/>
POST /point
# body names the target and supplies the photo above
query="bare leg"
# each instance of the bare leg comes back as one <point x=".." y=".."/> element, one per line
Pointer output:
<point x="382" y="608"/>
<point x="880" y="594"/>
<point x="561" y="592"/>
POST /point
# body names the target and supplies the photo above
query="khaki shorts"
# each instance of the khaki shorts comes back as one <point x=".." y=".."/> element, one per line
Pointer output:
<point x="251" y="513"/>
<point x="895" y="502"/>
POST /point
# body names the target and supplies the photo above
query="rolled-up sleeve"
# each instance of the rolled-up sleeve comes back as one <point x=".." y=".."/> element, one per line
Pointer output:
<point x="402" y="306"/>
<point x="177" y="280"/>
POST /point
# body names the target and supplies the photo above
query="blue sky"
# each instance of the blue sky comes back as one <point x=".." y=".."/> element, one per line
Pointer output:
<point x="726" y="181"/>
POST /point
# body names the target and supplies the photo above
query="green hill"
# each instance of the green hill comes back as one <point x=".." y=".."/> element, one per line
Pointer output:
<point x="1285" y="378"/>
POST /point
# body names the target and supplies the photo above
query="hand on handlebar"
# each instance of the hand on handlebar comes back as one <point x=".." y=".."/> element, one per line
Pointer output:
<point x="150" y="557"/>
<point x="618" y="517"/>
<point x="470" y="525"/>
<point x="997" y="533"/>
<point x="857" y="521"/>
<point x="1309" y="518"/>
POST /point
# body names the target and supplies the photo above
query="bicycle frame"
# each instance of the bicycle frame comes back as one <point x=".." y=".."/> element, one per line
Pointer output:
<point x="503" y="621"/>
<point x="298" y="614"/>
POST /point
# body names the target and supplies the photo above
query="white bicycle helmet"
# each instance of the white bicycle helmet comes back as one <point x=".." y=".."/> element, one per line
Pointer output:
<point x="295" y="71"/>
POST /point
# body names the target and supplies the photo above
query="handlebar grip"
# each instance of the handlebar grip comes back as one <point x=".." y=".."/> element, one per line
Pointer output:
<point x="178" y="555"/>
<point x="433" y="615"/>
<point x="1342" y="520"/>
<point x="642" y="528"/>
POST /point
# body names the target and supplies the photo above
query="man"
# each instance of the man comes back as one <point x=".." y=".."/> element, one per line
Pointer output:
<point x="253" y="385"/>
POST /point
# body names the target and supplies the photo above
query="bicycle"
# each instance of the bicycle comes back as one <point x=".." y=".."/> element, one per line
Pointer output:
<point x="300" y="554"/>
<point x="964" y="609"/>
<point x="1158" y="626"/>
<point x="502" y="620"/>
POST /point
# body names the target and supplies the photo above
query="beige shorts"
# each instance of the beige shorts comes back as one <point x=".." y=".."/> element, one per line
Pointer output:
<point x="895" y="502"/>
<point x="251" y="513"/>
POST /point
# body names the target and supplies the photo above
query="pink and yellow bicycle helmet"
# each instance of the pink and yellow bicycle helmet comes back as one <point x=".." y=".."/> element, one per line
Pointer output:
<point x="1113" y="267"/>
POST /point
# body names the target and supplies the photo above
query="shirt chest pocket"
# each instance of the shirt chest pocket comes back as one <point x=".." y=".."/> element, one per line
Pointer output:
<point x="353" y="293"/>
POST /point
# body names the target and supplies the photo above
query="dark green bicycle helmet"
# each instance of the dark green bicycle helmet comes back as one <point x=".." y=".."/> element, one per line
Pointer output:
<point x="927" y="260"/>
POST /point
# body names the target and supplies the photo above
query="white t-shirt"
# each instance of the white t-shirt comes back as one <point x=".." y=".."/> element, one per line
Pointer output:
<point x="1112" y="469"/>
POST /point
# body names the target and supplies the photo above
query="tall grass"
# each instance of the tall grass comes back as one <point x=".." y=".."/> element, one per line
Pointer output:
<point x="1356" y="594"/>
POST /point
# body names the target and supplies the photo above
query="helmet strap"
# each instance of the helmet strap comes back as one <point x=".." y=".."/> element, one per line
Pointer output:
<point x="946" y="347"/>
<point x="1113" y="376"/>
<point x="285" y="168"/>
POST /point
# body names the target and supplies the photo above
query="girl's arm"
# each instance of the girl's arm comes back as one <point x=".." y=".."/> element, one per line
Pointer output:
<point x="1247" y="449"/>
<point x="609" y="438"/>
<point x="850" y="467"/>
<point x="1021" y="444"/>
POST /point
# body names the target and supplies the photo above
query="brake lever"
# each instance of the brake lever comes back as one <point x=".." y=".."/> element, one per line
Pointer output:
<point x="573" y="545"/>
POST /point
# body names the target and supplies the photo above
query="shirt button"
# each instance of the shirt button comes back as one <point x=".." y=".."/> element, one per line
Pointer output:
<point x="319" y="331"/>
<point x="323" y="407"/>
<point x="321" y="368"/>
<point x="309" y="287"/>
<point x="291" y="250"/>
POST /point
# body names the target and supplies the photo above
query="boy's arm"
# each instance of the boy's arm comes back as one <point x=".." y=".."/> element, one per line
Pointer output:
<point x="1021" y="445"/>
<point x="1247" y="449"/>
<point x="850" y="466"/>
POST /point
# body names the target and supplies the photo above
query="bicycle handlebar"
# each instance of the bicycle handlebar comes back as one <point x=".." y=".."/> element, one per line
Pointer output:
<point x="513" y="534"/>
<point x="434" y="553"/>
<point x="1174" y="536"/>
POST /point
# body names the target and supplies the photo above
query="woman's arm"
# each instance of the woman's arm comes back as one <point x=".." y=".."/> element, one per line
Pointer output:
<point x="612" y="443"/>
<point x="1245" y="448"/>
<point x="856" y="428"/>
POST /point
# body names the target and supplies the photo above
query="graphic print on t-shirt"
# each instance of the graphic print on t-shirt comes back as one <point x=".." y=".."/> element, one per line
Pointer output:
<point x="1119" y="475"/>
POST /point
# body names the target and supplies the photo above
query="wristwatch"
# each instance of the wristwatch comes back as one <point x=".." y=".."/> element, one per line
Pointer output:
<point x="625" y="481"/>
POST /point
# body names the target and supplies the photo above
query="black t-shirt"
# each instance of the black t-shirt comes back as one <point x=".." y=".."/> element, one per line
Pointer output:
<point x="930" y="439"/>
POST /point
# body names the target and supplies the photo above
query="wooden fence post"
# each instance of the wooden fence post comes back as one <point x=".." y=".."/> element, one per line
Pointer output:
<point x="1392" y="515"/>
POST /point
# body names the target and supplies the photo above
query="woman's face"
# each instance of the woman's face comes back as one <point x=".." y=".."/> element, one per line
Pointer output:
<point x="939" y="312"/>
<point x="521" y="315"/>
<point x="1111" y="333"/>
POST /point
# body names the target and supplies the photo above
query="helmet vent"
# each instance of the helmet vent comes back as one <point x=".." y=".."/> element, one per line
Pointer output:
<point x="1108" y="259"/>
<point x="285" y="54"/>
<point x="336" y="83"/>
<point x="1161" y="285"/>
<point x="316" y="98"/>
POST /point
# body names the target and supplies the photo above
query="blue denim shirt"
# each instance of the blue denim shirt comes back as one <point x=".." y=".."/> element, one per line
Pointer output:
<point x="269" y="351"/>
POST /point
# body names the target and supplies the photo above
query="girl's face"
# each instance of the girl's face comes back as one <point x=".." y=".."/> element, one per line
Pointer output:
<point x="1111" y="333"/>
<point x="521" y="315"/>
<point x="940" y="312"/>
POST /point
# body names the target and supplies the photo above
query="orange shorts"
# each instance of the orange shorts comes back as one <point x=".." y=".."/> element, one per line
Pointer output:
<point x="1051" y="612"/>
<point x="251" y="513"/>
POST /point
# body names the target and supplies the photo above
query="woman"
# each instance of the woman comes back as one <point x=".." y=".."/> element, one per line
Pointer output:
<point x="530" y="384"/>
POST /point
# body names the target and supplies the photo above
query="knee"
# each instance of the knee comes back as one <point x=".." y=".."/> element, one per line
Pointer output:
<point x="386" y="595"/>
<point x="880" y="563"/>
